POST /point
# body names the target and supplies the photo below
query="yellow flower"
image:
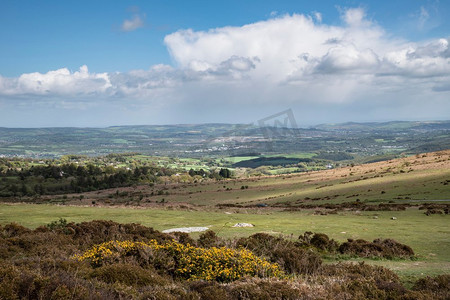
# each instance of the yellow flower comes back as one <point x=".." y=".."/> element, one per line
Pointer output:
<point x="192" y="263"/>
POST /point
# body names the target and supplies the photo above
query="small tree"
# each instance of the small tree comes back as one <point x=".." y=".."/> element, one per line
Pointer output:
<point x="225" y="173"/>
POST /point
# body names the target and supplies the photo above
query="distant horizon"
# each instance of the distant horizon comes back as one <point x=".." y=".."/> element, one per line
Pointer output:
<point x="222" y="123"/>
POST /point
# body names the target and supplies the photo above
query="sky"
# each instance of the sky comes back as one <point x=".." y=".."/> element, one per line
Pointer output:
<point x="104" y="63"/>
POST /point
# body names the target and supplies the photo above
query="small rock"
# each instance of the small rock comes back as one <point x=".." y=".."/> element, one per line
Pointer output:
<point x="186" y="229"/>
<point x="375" y="217"/>
<point x="393" y="218"/>
<point x="243" y="225"/>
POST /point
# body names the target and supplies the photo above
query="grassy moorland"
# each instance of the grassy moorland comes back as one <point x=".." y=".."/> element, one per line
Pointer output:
<point x="109" y="260"/>
<point x="427" y="235"/>
<point x="405" y="199"/>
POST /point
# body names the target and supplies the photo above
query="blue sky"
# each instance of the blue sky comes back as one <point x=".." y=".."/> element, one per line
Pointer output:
<point x="100" y="63"/>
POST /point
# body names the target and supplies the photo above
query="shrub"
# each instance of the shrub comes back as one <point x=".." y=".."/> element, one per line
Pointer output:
<point x="220" y="264"/>
<point x="24" y="283"/>
<point x="8" y="277"/>
<point x="60" y="224"/>
<point x="359" y="271"/>
<point x="292" y="258"/>
<point x="387" y="248"/>
<point x="38" y="244"/>
<point x="433" y="212"/>
<point x="438" y="286"/>
<point x="363" y="281"/>
<point x="394" y="248"/>
<point x="263" y="289"/>
<point x="98" y="231"/>
<point x="183" y="238"/>
<point x="319" y="241"/>
<point x="13" y="230"/>
<point x="209" y="290"/>
<point x="208" y="239"/>
<point x="61" y="293"/>
<point x="127" y="274"/>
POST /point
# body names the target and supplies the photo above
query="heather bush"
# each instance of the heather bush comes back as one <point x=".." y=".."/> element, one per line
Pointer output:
<point x="319" y="241"/>
<point x="360" y="270"/>
<point x="263" y="289"/>
<point x="26" y="283"/>
<point x="98" y="231"/>
<point x="387" y="248"/>
<point x="13" y="230"/>
<point x="249" y="288"/>
<point x="438" y="286"/>
<point x="363" y="281"/>
<point x="287" y="254"/>
<point x="209" y="290"/>
<point x="183" y="238"/>
<point x="127" y="274"/>
<point x="209" y="239"/>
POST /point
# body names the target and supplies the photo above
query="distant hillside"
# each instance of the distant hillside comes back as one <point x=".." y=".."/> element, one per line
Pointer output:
<point x="359" y="140"/>
<point x="387" y="126"/>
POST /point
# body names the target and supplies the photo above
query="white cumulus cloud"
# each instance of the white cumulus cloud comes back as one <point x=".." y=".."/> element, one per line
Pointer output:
<point x="58" y="82"/>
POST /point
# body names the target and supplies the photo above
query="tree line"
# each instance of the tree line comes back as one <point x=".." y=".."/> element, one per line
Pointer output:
<point x="71" y="178"/>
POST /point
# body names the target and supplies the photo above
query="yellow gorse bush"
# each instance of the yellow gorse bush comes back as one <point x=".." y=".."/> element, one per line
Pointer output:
<point x="221" y="264"/>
